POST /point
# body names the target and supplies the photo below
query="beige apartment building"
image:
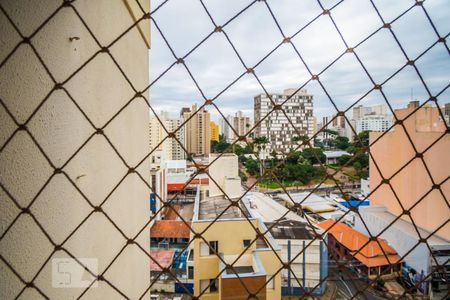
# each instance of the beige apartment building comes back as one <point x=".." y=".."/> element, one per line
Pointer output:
<point x="280" y="127"/>
<point x="241" y="124"/>
<point x="228" y="232"/>
<point x="197" y="130"/>
<point x="394" y="150"/>
<point x="163" y="147"/>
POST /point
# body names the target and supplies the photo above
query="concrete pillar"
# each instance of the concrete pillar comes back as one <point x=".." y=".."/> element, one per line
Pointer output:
<point x="60" y="128"/>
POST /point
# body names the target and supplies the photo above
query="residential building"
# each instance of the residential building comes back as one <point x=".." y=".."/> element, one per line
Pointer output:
<point x="279" y="130"/>
<point x="257" y="267"/>
<point x="393" y="150"/>
<point x="238" y="125"/>
<point x="225" y="172"/>
<point x="335" y="123"/>
<point x="374" y="122"/>
<point x="306" y="254"/>
<point x="369" y="118"/>
<point x="197" y="130"/>
<point x="424" y="213"/>
<point x="370" y="258"/>
<point x="225" y="127"/>
<point x="446" y="113"/>
<point x="424" y="258"/>
<point x="163" y="147"/>
<point x="214" y="130"/>
<point x="241" y="124"/>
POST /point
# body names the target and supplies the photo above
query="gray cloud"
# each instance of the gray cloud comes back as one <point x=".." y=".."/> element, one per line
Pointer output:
<point x="215" y="65"/>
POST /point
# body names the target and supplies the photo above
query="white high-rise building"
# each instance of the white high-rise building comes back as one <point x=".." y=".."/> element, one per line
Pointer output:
<point x="276" y="127"/>
<point x="371" y="118"/>
<point x="373" y="123"/>
<point x="227" y="132"/>
<point x="170" y="149"/>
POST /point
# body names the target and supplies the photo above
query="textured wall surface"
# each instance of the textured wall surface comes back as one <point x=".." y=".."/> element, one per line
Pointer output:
<point x="60" y="128"/>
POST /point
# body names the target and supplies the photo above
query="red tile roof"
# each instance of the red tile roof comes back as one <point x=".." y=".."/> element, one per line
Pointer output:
<point x="170" y="229"/>
<point x="163" y="257"/>
<point x="371" y="254"/>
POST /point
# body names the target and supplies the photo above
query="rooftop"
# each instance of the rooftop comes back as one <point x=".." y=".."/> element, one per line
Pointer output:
<point x="261" y="205"/>
<point x="163" y="257"/>
<point x="370" y="253"/>
<point x="211" y="207"/>
<point x="290" y="230"/>
<point x="403" y="226"/>
<point x="334" y="154"/>
<point x="170" y="229"/>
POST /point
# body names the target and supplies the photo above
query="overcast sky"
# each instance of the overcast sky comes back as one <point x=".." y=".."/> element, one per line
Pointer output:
<point x="254" y="33"/>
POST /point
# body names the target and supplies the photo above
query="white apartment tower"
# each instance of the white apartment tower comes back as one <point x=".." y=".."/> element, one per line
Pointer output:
<point x="371" y="118"/>
<point x="276" y="127"/>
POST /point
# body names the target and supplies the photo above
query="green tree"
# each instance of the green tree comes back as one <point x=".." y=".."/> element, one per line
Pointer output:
<point x="318" y="143"/>
<point x="314" y="155"/>
<point x="344" y="159"/>
<point x="252" y="166"/>
<point x="341" y="142"/>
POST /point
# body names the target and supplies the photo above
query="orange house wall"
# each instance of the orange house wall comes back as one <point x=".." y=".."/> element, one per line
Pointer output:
<point x="394" y="150"/>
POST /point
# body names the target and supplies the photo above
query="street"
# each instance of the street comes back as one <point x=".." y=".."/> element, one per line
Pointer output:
<point x="348" y="285"/>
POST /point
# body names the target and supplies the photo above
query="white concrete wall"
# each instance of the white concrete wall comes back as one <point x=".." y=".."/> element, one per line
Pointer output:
<point x="226" y="166"/>
<point x="58" y="126"/>
<point x="402" y="242"/>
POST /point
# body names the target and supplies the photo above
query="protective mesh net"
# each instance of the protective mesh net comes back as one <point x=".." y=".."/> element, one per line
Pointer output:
<point x="359" y="288"/>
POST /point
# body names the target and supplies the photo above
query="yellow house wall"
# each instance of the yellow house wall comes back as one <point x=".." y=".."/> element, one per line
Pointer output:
<point x="230" y="235"/>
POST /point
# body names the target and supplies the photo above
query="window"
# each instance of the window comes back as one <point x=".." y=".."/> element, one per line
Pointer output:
<point x="209" y="285"/>
<point x="204" y="249"/>
<point x="190" y="272"/>
<point x="270" y="284"/>
<point x="213" y="247"/>
<point x="214" y="285"/>
<point x="246" y="243"/>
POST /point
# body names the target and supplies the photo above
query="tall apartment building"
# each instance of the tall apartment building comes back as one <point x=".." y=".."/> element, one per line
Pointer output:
<point x="335" y="123"/>
<point x="170" y="148"/>
<point x="373" y="123"/>
<point x="446" y="113"/>
<point x="276" y="127"/>
<point x="369" y="118"/>
<point x="361" y="110"/>
<point x="240" y="123"/>
<point x="198" y="131"/>
<point x="214" y="130"/>
<point x="225" y="129"/>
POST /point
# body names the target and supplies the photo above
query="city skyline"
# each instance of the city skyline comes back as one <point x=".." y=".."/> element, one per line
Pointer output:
<point x="214" y="65"/>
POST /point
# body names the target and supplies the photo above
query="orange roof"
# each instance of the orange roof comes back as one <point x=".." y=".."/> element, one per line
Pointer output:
<point x="163" y="257"/>
<point x="170" y="229"/>
<point x="169" y="212"/>
<point x="371" y="254"/>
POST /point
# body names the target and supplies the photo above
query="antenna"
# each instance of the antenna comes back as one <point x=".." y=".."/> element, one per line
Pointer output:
<point x="412" y="94"/>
